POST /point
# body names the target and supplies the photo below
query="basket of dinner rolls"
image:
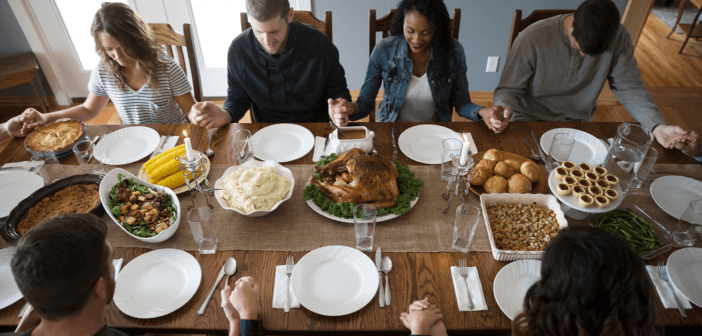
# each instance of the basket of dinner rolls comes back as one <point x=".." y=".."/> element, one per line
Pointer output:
<point x="589" y="187"/>
<point x="498" y="172"/>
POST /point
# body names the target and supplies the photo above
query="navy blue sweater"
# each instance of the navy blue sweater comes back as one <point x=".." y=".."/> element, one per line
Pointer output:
<point x="291" y="87"/>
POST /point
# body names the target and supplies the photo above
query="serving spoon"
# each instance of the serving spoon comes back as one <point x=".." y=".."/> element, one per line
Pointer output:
<point x="337" y="127"/>
<point x="229" y="268"/>
<point x="386" y="267"/>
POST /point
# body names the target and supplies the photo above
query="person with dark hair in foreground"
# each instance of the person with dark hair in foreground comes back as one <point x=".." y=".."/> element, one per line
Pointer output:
<point x="286" y="70"/>
<point x="592" y="283"/>
<point x="558" y="66"/>
<point x="242" y="307"/>
<point x="63" y="267"/>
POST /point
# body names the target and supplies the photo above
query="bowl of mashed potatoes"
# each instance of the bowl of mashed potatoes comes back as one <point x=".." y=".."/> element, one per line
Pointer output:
<point x="255" y="188"/>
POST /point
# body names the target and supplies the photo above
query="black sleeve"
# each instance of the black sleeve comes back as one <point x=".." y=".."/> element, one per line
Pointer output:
<point x="251" y="328"/>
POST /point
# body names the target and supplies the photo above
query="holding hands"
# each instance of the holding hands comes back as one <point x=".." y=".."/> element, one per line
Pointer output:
<point x="208" y="114"/>
<point x="496" y="117"/>
<point x="340" y="110"/>
<point x="667" y="135"/>
<point x="690" y="145"/>
<point x="424" y="318"/>
<point x="32" y="119"/>
<point x="242" y="302"/>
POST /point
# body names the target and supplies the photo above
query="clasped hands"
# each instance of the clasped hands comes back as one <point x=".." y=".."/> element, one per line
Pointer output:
<point x="674" y="136"/>
<point x="424" y="318"/>
<point x="340" y="110"/>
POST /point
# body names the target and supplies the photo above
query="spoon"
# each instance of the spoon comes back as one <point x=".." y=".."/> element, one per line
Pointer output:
<point x="229" y="265"/>
<point x="337" y="127"/>
<point x="229" y="268"/>
<point x="386" y="267"/>
<point x="533" y="155"/>
<point x="209" y="150"/>
<point x="373" y="151"/>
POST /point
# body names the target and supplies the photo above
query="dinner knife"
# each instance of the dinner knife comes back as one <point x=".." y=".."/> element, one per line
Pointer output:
<point x="538" y="146"/>
<point x="394" y="145"/>
<point x="202" y="309"/>
<point x="378" y="262"/>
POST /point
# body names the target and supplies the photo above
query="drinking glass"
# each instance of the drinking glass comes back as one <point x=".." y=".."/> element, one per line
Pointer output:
<point x="84" y="154"/>
<point x="452" y="148"/>
<point x="626" y="152"/>
<point x="364" y="226"/>
<point x="644" y="168"/>
<point x="561" y="146"/>
<point x="202" y="226"/>
<point x="689" y="225"/>
<point x="51" y="170"/>
<point x="467" y="217"/>
<point x="243" y="145"/>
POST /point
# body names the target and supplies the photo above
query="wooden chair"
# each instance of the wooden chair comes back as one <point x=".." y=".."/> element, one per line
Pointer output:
<point x="385" y="23"/>
<point x="693" y="30"/>
<point x="169" y="38"/>
<point x="518" y="24"/>
<point x="304" y="17"/>
<point x="681" y="8"/>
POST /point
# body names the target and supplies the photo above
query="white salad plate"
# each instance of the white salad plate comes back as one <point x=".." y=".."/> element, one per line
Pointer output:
<point x="9" y="293"/>
<point x="126" y="145"/>
<point x="512" y="282"/>
<point x="335" y="280"/>
<point x="587" y="148"/>
<point x="674" y="193"/>
<point x="324" y="213"/>
<point x="282" y="142"/>
<point x="15" y="187"/>
<point x="157" y="283"/>
<point x="685" y="270"/>
<point x="423" y="143"/>
<point x="572" y="201"/>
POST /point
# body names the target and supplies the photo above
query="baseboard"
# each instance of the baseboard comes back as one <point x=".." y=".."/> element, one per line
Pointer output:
<point x="27" y="101"/>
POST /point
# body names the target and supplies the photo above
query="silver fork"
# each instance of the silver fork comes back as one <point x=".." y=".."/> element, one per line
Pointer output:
<point x="664" y="276"/>
<point x="463" y="269"/>
<point x="289" y="265"/>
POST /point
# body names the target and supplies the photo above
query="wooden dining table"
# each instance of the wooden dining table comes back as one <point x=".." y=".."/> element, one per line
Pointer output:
<point x="414" y="275"/>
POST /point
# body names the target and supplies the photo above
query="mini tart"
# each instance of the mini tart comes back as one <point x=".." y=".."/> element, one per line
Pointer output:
<point x="577" y="173"/>
<point x="611" y="194"/>
<point x="592" y="177"/>
<point x="584" y="166"/>
<point x="571" y="181"/>
<point x="601" y="202"/>
<point x="612" y="180"/>
<point x="585" y="201"/>
<point x="568" y="165"/>
<point x="564" y="189"/>
<point x="55" y="136"/>
<point x="584" y="183"/>
<point x="602" y="184"/>
<point x="595" y="191"/>
<point x="578" y="190"/>
<point x="600" y="171"/>
<point x="561" y="173"/>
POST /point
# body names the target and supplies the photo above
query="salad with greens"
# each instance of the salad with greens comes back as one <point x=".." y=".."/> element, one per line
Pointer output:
<point x="141" y="210"/>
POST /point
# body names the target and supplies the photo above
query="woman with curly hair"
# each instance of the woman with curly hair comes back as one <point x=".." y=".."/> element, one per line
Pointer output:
<point x="423" y="71"/>
<point x="592" y="283"/>
<point x="145" y="85"/>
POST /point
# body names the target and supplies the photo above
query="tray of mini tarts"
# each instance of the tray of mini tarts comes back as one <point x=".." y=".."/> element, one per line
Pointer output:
<point x="585" y="188"/>
<point x="32" y="141"/>
<point x="9" y="232"/>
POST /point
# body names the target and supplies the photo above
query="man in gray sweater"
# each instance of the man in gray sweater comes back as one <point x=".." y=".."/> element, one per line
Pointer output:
<point x="557" y="67"/>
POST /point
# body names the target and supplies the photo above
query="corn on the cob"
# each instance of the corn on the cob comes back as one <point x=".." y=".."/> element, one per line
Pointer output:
<point x="159" y="156"/>
<point x="174" y="180"/>
<point x="165" y="166"/>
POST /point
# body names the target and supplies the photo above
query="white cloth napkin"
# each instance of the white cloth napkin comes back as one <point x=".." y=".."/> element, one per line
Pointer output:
<point x="664" y="291"/>
<point x="476" y="289"/>
<point x="279" y="290"/>
<point x="23" y="164"/>
<point x="319" y="149"/>
<point x="117" y="263"/>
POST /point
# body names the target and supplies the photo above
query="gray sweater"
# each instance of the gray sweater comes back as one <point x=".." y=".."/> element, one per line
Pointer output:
<point x="545" y="79"/>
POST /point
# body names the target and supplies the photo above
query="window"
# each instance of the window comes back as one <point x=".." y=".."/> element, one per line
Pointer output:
<point x="217" y="24"/>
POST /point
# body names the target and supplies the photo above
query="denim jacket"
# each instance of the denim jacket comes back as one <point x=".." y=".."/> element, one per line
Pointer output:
<point x="390" y="64"/>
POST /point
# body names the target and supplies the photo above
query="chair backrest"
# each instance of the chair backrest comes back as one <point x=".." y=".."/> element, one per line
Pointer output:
<point x="385" y="23"/>
<point x="304" y="17"/>
<point x="170" y="39"/>
<point x="518" y="24"/>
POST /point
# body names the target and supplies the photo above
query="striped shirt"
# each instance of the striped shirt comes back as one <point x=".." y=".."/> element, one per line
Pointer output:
<point x="146" y="105"/>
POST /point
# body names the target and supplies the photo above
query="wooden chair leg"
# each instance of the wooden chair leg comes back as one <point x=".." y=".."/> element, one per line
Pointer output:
<point x="677" y="19"/>
<point x="41" y="101"/>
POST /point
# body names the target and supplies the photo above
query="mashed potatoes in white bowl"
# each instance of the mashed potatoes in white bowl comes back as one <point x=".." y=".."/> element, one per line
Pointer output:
<point x="255" y="188"/>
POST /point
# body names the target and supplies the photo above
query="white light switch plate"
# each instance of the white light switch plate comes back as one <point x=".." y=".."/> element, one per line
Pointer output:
<point x="492" y="64"/>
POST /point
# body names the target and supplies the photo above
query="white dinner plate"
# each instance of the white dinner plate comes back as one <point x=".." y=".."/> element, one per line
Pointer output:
<point x="387" y="217"/>
<point x="335" y="280"/>
<point x="512" y="283"/>
<point x="126" y="145"/>
<point x="674" y="193"/>
<point x="16" y="186"/>
<point x="9" y="293"/>
<point x="572" y="202"/>
<point x="422" y="143"/>
<point x="282" y="142"/>
<point x="685" y="270"/>
<point x="157" y="283"/>
<point x="587" y="148"/>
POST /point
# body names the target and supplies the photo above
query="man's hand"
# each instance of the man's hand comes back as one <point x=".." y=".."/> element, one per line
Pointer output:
<point x="31" y="119"/>
<point x="496" y="117"/>
<point x="15" y="127"/>
<point x="668" y="134"/>
<point x="208" y="114"/>
<point x="340" y="110"/>
<point x="421" y="314"/>
<point x="245" y="298"/>
<point x="689" y="147"/>
<point x="229" y="311"/>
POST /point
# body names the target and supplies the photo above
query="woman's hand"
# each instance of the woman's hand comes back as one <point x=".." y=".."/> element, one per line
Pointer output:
<point x="245" y="298"/>
<point x="32" y="119"/>
<point x="424" y="318"/>
<point x="496" y="117"/>
<point x="340" y="110"/>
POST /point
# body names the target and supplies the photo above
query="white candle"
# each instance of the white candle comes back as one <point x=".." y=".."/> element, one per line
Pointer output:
<point x="464" y="150"/>
<point x="188" y="147"/>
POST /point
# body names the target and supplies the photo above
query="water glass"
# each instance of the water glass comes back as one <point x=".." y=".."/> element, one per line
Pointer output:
<point x="203" y="229"/>
<point x="364" y="226"/>
<point x="452" y="148"/>
<point x="84" y="154"/>
<point x="645" y="167"/>
<point x="626" y="152"/>
<point x="467" y="217"/>
<point x="561" y="146"/>
<point x="689" y="226"/>
<point x="51" y="170"/>
<point x="243" y="145"/>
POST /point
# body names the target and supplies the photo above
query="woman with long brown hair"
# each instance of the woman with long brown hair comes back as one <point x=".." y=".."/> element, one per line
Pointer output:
<point x="145" y="85"/>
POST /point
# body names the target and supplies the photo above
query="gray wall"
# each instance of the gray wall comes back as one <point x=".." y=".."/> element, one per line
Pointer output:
<point x="485" y="28"/>
<point x="13" y="42"/>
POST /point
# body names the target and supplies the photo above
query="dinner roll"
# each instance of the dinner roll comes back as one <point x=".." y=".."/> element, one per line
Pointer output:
<point x="480" y="175"/>
<point x="504" y="169"/>
<point x="489" y="164"/>
<point x="495" y="185"/>
<point x="518" y="184"/>
<point x="530" y="170"/>
<point x="493" y="154"/>
<point x="514" y="163"/>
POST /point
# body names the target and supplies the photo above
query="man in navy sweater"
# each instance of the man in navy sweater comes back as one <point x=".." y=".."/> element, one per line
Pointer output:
<point x="289" y="71"/>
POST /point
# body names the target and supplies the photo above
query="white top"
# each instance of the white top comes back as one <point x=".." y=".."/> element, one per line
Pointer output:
<point x="146" y="105"/>
<point x="419" y="103"/>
